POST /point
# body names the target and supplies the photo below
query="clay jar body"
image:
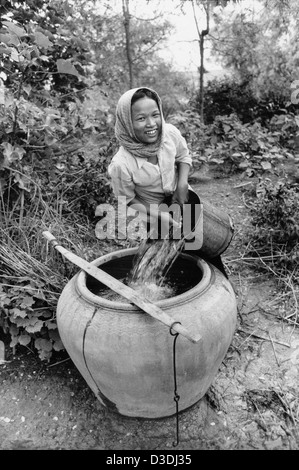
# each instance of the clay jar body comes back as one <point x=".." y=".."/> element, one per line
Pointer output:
<point x="126" y="356"/>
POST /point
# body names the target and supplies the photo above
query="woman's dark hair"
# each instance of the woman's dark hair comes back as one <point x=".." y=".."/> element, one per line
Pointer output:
<point x="142" y="93"/>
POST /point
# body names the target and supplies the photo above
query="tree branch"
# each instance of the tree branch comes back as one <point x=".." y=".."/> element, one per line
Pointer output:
<point x="147" y="50"/>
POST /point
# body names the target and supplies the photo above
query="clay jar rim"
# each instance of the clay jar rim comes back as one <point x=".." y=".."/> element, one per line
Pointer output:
<point x="94" y="299"/>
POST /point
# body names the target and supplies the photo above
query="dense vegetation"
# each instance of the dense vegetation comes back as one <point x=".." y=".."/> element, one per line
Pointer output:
<point x="63" y="67"/>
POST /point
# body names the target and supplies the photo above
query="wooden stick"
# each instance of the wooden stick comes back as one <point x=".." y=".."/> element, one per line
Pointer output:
<point x="277" y="361"/>
<point x="59" y="362"/>
<point x="243" y="184"/>
<point x="123" y="290"/>
<point x="263" y="337"/>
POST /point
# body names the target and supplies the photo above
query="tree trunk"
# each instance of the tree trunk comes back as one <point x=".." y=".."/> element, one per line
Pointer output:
<point x="201" y="36"/>
<point x="201" y="76"/>
<point x="126" y="13"/>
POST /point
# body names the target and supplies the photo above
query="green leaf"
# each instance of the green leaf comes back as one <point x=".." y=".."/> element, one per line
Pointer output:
<point x="14" y="55"/>
<point x="27" y="89"/>
<point x="19" y="313"/>
<point x="5" y="50"/>
<point x="226" y="128"/>
<point x="51" y="325"/>
<point x="12" y="153"/>
<point x="42" y="41"/>
<point x="219" y="161"/>
<point x="266" y="165"/>
<point x="22" y="322"/>
<point x="14" y="331"/>
<point x="43" y="344"/>
<point x="58" y="346"/>
<point x="24" y="339"/>
<point x="237" y="155"/>
<point x="243" y="165"/>
<point x="66" y="66"/>
<point x="27" y="301"/>
<point x="13" y="28"/>
<point x="14" y="341"/>
<point x="47" y="314"/>
<point x="9" y="100"/>
<point x="214" y="140"/>
<point x="9" y="39"/>
<point x="57" y="343"/>
<point x="37" y="326"/>
<point x="44" y="355"/>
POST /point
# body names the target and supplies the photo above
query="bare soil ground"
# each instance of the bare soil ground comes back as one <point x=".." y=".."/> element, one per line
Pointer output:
<point x="252" y="403"/>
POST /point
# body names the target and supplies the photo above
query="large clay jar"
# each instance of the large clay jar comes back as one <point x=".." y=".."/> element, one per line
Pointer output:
<point x="126" y="356"/>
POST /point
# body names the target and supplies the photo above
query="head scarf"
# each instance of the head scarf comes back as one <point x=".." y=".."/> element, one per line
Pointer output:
<point x="124" y="131"/>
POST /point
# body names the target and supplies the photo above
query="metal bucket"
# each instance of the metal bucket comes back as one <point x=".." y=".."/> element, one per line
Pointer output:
<point x="212" y="229"/>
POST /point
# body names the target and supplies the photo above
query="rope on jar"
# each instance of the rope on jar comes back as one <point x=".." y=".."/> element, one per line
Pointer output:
<point x="176" y="396"/>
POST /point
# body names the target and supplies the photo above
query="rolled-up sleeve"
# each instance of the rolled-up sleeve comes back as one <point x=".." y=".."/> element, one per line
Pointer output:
<point x="182" y="151"/>
<point x="183" y="154"/>
<point x="121" y="180"/>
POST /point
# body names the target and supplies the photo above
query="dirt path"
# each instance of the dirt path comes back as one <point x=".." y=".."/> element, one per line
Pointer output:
<point x="252" y="403"/>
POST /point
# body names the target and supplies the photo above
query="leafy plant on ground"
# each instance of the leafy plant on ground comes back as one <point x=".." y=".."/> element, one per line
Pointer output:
<point x="28" y="294"/>
<point x="274" y="230"/>
<point x="246" y="147"/>
<point x="249" y="148"/>
<point x="286" y="128"/>
<point x="28" y="318"/>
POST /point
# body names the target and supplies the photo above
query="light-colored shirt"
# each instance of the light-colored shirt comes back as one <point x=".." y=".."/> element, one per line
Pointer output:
<point x="136" y="177"/>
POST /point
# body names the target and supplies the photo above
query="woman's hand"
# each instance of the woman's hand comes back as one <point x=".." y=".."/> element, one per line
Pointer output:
<point x="180" y="196"/>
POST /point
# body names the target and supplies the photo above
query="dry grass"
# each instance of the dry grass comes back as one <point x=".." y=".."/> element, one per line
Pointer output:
<point x="25" y="255"/>
<point x="285" y="275"/>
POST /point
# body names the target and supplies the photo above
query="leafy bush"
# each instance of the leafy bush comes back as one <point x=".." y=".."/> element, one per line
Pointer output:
<point x="54" y="151"/>
<point x="197" y="134"/>
<point x="247" y="147"/>
<point x="230" y="96"/>
<point x="286" y="128"/>
<point x="225" y="97"/>
<point x="275" y="223"/>
<point x="250" y="148"/>
<point x="48" y="135"/>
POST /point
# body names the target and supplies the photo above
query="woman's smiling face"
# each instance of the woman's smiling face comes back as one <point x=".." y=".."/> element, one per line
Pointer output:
<point x="146" y="119"/>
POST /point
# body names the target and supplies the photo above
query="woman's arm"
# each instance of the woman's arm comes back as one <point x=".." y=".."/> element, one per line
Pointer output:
<point x="181" y="193"/>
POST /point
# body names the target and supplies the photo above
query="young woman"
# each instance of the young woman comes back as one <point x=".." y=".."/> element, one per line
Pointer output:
<point x="153" y="160"/>
<point x="152" y="164"/>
